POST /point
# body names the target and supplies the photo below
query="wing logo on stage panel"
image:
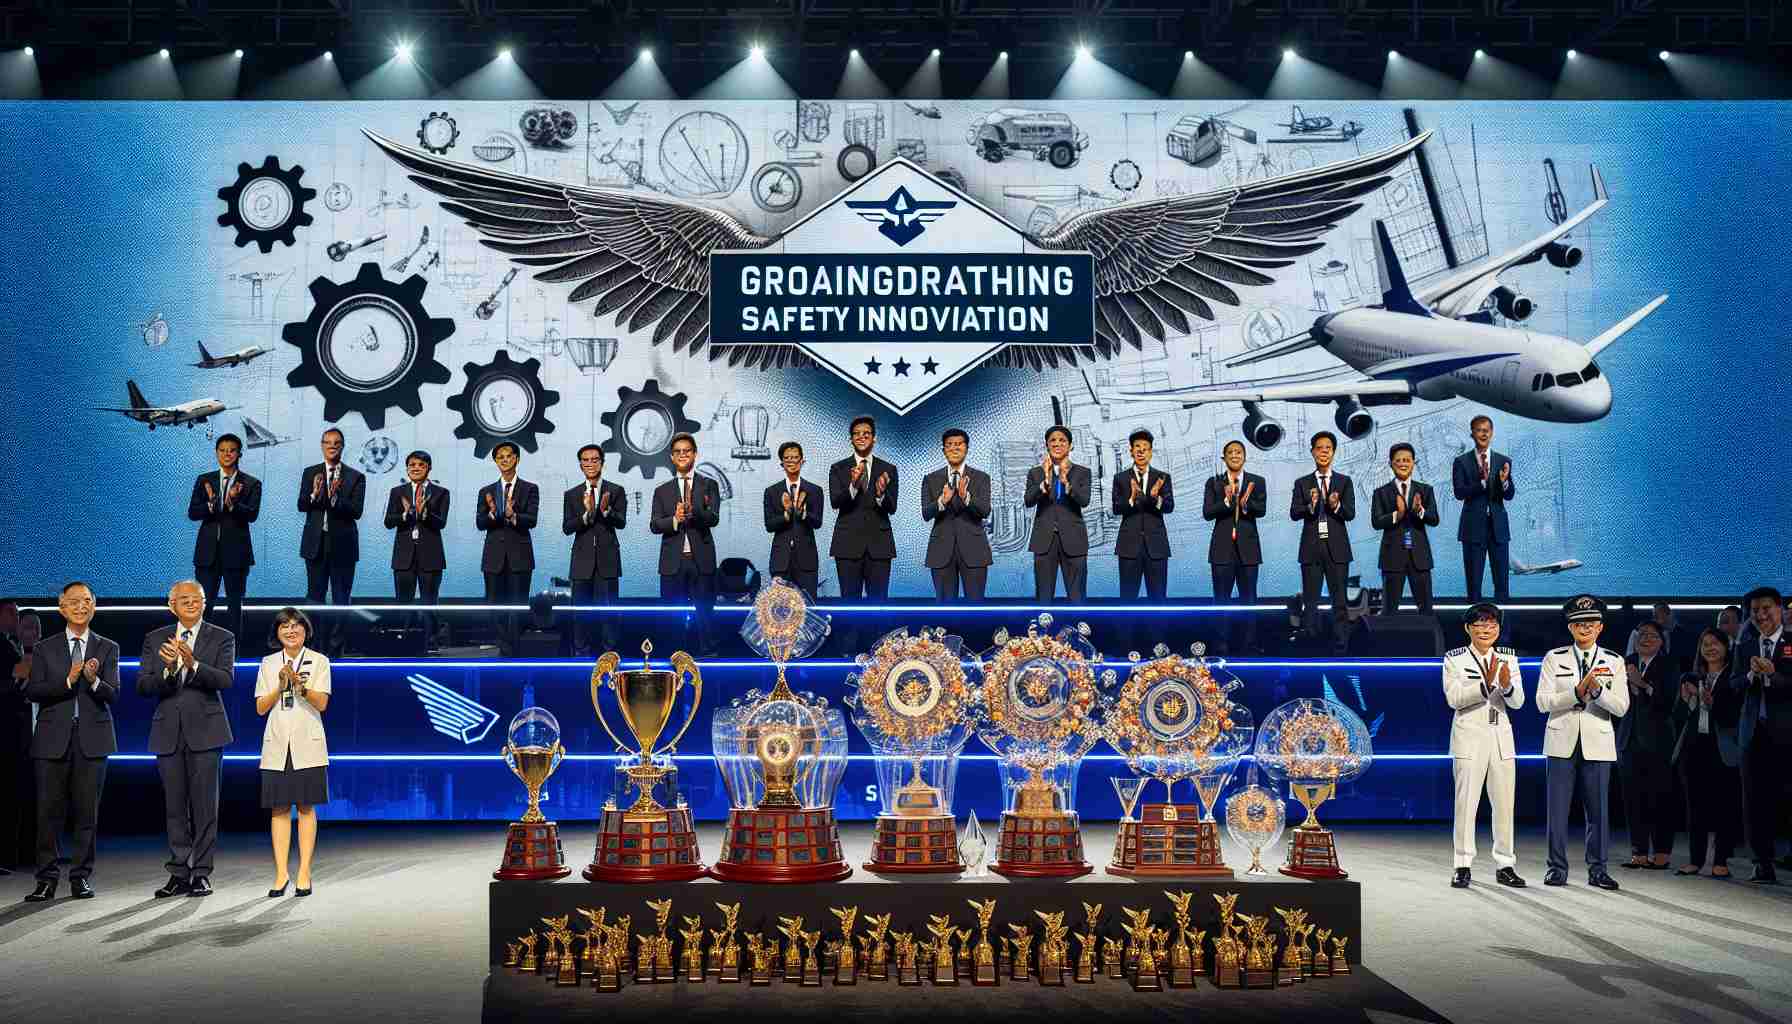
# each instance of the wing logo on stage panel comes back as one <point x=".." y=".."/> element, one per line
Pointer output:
<point x="901" y="218"/>
<point x="454" y="715"/>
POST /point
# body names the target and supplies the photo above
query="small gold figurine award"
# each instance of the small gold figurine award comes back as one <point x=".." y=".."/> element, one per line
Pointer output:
<point x="1086" y="939"/>
<point x="1182" y="964"/>
<point x="908" y="967"/>
<point x="845" y="965"/>
<point x="1054" y="949"/>
<point x="792" y="930"/>
<point x="762" y="954"/>
<point x="1294" y="922"/>
<point x="1340" y="965"/>
<point x="983" y="959"/>
<point x="528" y="964"/>
<point x="1023" y="951"/>
<point x="1320" y="960"/>
<point x="1260" y="957"/>
<point x="811" y="966"/>
<point x="945" y="969"/>
<point x="724" y="950"/>
<point x="1228" y="948"/>
<point x="646" y="842"/>
<point x="877" y="948"/>
<point x="1113" y="960"/>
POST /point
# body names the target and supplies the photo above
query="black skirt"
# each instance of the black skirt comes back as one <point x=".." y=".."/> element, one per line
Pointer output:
<point x="304" y="786"/>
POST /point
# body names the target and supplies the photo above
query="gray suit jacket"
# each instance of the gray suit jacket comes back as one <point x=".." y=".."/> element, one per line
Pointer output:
<point x="190" y="711"/>
<point x="958" y="528"/>
<point x="56" y="700"/>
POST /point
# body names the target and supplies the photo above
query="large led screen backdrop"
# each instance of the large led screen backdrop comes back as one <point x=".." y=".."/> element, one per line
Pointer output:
<point x="139" y="232"/>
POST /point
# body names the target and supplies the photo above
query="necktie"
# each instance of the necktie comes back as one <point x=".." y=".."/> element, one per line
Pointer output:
<point x="1143" y="477"/>
<point x="793" y="496"/>
<point x="417" y="501"/>
<point x="953" y="482"/>
<point x="74" y="658"/>
<point x="1402" y="490"/>
<point x="186" y="637"/>
<point x="1483" y="465"/>
<point x="1766" y="652"/>
<point x="1057" y="486"/>
<point x="591" y="492"/>
<point x="684" y="489"/>
<point x="506" y="509"/>
<point x="329" y="482"/>
<point x="1325" y="487"/>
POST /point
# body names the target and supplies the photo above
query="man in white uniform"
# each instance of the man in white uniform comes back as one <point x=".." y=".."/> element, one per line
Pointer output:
<point x="1581" y="687"/>
<point x="1482" y="685"/>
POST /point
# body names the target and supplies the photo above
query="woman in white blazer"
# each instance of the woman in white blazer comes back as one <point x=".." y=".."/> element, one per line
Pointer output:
<point x="292" y="691"/>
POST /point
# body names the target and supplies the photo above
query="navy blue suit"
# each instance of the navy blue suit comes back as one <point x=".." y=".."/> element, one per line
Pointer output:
<point x="1483" y="528"/>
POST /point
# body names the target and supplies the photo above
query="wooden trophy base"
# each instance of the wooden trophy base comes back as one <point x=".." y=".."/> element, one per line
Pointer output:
<point x="781" y="846"/>
<point x="905" y="845"/>
<point x="1044" y="845"/>
<point x="1170" y="841"/>
<point x="646" y="851"/>
<point x="532" y="853"/>
<point x="1312" y="855"/>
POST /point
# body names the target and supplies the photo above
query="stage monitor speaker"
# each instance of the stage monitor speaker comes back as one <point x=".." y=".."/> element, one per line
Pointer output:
<point x="1400" y="635"/>
<point x="540" y="643"/>
<point x="393" y="642"/>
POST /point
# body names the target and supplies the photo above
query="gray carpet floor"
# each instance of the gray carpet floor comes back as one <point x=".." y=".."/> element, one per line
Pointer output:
<point x="396" y="931"/>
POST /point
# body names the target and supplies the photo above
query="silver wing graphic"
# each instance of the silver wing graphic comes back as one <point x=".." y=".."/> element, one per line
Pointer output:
<point x="642" y="257"/>
<point x="1159" y="262"/>
<point x="452" y="714"/>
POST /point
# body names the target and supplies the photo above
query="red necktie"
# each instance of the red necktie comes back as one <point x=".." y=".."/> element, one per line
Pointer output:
<point x="1483" y="465"/>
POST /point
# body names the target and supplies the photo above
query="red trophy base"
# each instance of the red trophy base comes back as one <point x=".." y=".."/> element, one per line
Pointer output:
<point x="1047" y="845"/>
<point x="532" y="853"/>
<point x="1312" y="855"/>
<point x="646" y="851"/>
<point x="781" y="845"/>
<point x="914" y="846"/>
<point x="1170" y="840"/>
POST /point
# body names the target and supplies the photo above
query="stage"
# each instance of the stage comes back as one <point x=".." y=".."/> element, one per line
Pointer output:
<point x="397" y="931"/>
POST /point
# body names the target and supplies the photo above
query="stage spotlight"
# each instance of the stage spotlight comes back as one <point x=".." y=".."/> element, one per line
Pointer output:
<point x="1002" y="56"/>
<point x="1572" y="55"/>
<point x="239" y="55"/>
<point x="29" y="51"/>
<point x="404" y="52"/>
<point x="504" y="54"/>
<point x="1480" y="53"/>
<point x="164" y="51"/>
<point x="329" y="55"/>
<point x="1082" y="52"/>
<point x="647" y="53"/>
<point x="1289" y="54"/>
<point x="1392" y="54"/>
<point x="758" y="52"/>
<point x="1188" y="55"/>
<point x="853" y="54"/>
<point x="936" y="51"/>
<point x="1663" y="55"/>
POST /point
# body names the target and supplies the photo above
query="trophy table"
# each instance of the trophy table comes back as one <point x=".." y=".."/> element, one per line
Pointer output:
<point x="1037" y="715"/>
<point x="782" y="756"/>
<point x="646" y="842"/>
<point x="532" y="851"/>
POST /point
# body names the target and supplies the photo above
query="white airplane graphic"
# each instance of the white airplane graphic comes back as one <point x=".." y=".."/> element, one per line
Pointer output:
<point x="452" y="714"/>
<point x="196" y="411"/>
<point x="207" y="361"/>
<point x="1545" y="568"/>
<point x="1435" y="344"/>
<point x="257" y="436"/>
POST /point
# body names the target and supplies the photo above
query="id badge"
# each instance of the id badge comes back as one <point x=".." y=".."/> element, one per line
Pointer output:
<point x="1406" y="539"/>
<point x="1324" y="528"/>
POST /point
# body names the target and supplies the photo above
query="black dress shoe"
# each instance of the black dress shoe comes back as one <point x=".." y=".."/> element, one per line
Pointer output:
<point x="1507" y="876"/>
<point x="200" y="886"/>
<point x="176" y="886"/>
<point x="1601" y="880"/>
<point x="46" y="890"/>
<point x="1764" y="874"/>
<point x="1554" y="877"/>
<point x="1460" y="879"/>
<point x="80" y="888"/>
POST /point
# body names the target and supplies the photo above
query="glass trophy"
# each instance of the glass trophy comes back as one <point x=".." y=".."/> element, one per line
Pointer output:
<point x="911" y="699"/>
<point x="1255" y="817"/>
<point x="1313" y="745"/>
<point x="532" y="750"/>
<point x="1039" y="714"/>
<point x="782" y="756"/>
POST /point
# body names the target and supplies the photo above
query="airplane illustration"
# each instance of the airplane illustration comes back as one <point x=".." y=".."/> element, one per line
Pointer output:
<point x="1544" y="568"/>
<point x="257" y="436"/>
<point x="1304" y="127"/>
<point x="1436" y="344"/>
<point x="196" y="411"/>
<point x="207" y="361"/>
<point x="929" y="110"/>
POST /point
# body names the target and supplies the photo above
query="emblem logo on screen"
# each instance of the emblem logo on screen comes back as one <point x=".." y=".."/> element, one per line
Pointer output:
<point x="452" y="714"/>
<point x="901" y="218"/>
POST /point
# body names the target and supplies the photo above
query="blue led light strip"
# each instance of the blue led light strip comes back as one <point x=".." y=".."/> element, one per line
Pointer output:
<point x="585" y="666"/>
<point x="482" y="758"/>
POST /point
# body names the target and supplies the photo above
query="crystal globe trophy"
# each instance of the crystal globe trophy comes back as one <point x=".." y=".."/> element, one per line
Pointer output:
<point x="1172" y="720"/>
<point x="911" y="700"/>
<point x="1255" y="817"/>
<point x="1313" y="745"/>
<point x="782" y="756"/>
<point x="532" y="852"/>
<point x="1039" y="715"/>
<point x="646" y="840"/>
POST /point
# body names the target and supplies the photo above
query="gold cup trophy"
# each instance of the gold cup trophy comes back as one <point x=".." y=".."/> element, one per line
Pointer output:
<point x="532" y="851"/>
<point x="646" y="842"/>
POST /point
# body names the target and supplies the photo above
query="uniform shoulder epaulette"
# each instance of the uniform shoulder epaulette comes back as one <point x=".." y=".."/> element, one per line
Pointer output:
<point x="1452" y="654"/>
<point x="1569" y="649"/>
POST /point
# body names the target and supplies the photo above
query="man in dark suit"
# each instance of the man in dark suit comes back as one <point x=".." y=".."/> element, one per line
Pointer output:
<point x="1142" y="498"/>
<point x="1482" y="480"/>
<point x="505" y="513"/>
<point x="792" y="515"/>
<point x="1323" y="503"/>
<point x="955" y="499"/>
<point x="1645" y="743"/>
<point x="591" y="512"/>
<point x="1761" y="670"/>
<point x="224" y="503"/>
<point x="331" y="496"/>
<point x="862" y="490"/>
<point x="1401" y="509"/>
<point x="1233" y="500"/>
<point x="685" y="510"/>
<point x="74" y="680"/>
<point x="1057" y="492"/>
<point x="417" y="513"/>
<point x="185" y="667"/>
<point x="15" y="742"/>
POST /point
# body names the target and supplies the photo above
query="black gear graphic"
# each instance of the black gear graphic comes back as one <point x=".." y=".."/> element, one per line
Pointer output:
<point x="485" y="433"/>
<point x="267" y="176"/>
<point x="666" y="417"/>
<point x="430" y="127"/>
<point x="367" y="297"/>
